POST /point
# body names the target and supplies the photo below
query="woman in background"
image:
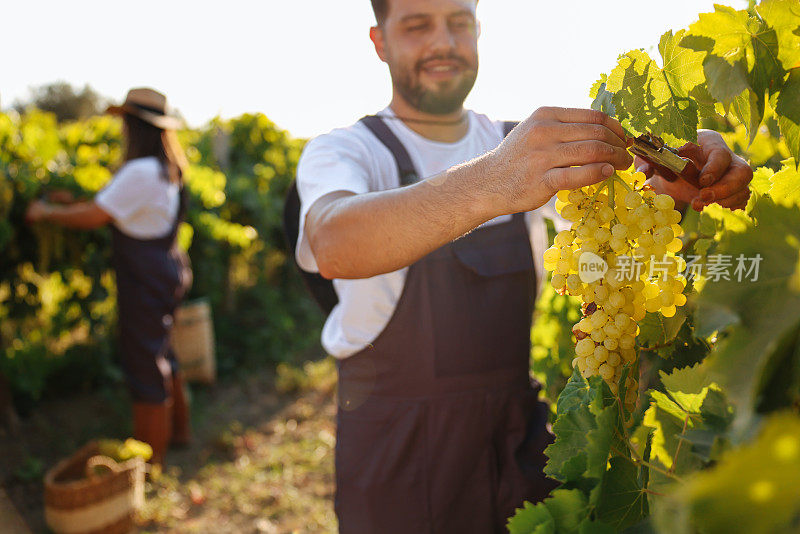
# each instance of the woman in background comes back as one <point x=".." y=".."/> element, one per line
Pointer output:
<point x="145" y="204"/>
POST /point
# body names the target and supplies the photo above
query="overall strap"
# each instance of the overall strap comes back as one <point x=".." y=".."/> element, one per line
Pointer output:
<point x="508" y="126"/>
<point x="408" y="174"/>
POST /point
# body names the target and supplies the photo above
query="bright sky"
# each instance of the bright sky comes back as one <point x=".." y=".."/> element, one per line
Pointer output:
<point x="309" y="64"/>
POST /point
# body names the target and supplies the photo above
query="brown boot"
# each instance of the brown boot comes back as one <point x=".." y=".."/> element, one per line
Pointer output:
<point x="181" y="421"/>
<point x="152" y="424"/>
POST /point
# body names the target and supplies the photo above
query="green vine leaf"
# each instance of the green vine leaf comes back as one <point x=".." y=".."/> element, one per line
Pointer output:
<point x="739" y="359"/>
<point x="564" y="512"/>
<point x="532" y="519"/>
<point x="783" y="16"/>
<point x="683" y="67"/>
<point x="742" y="66"/>
<point x="785" y="185"/>
<point x="623" y="502"/>
<point x="753" y="489"/>
<point x="761" y="180"/>
<point x="655" y="330"/>
<point x="584" y="432"/>
<point x="788" y="109"/>
<point x="646" y="99"/>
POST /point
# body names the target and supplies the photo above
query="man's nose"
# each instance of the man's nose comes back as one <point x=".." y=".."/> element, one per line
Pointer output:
<point x="442" y="39"/>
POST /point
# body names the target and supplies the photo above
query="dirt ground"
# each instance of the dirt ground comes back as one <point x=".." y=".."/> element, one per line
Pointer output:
<point x="261" y="460"/>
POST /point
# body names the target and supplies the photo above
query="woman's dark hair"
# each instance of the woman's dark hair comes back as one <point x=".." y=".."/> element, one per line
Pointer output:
<point x="145" y="140"/>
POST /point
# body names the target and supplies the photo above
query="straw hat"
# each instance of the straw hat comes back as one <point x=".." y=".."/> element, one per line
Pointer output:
<point x="150" y="106"/>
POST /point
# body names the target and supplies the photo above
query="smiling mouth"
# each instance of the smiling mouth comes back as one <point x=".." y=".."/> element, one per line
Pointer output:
<point x="443" y="70"/>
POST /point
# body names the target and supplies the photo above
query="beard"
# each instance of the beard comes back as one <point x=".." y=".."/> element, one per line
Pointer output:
<point x="447" y="98"/>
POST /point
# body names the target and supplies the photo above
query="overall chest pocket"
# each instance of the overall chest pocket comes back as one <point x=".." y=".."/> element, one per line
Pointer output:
<point x="483" y="298"/>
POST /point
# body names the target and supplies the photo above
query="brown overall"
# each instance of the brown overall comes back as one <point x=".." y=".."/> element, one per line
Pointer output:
<point x="440" y="429"/>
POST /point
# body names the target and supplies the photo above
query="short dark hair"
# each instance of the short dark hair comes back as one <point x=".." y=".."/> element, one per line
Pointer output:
<point x="381" y="10"/>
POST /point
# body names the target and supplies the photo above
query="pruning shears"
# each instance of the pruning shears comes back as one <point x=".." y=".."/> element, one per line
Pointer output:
<point x="668" y="163"/>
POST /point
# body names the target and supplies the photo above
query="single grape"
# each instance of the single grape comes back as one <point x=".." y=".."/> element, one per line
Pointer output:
<point x="598" y="335"/>
<point x="558" y="281"/>
<point x="610" y="343"/>
<point x="632" y="200"/>
<point x="606" y="371"/>
<point x="563" y="238"/>
<point x="584" y="347"/>
<point x="552" y="254"/>
<point x="664" y="202"/>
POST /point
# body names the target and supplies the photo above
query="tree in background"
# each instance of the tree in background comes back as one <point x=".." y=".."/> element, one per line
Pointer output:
<point x="66" y="102"/>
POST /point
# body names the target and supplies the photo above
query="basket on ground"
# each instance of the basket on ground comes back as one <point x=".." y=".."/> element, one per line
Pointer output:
<point x="79" y="500"/>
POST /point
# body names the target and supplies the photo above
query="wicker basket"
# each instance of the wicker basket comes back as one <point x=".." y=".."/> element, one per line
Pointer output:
<point x="193" y="342"/>
<point x="79" y="501"/>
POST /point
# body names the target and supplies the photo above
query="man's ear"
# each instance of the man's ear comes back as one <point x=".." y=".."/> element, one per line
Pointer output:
<point x="376" y="36"/>
<point x="478" y="27"/>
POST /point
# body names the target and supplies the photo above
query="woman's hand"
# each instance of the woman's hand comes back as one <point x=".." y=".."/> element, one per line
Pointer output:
<point x="61" y="196"/>
<point x="724" y="176"/>
<point x="38" y="210"/>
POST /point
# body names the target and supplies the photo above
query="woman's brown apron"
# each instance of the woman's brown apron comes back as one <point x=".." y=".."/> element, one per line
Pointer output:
<point x="153" y="276"/>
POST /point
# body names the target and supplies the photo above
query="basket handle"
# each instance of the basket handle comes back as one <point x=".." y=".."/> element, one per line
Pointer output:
<point x="100" y="461"/>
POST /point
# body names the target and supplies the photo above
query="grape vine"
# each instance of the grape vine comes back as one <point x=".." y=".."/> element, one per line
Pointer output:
<point x="57" y="312"/>
<point x="713" y="444"/>
<point x="631" y="230"/>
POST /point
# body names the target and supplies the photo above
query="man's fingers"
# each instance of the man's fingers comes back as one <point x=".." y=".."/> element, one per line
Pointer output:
<point x="718" y="161"/>
<point x="736" y="201"/>
<point x="643" y="166"/>
<point x="586" y="152"/>
<point x="734" y="181"/>
<point x="587" y="116"/>
<point x="694" y="153"/>
<point x="646" y="169"/>
<point x="583" y="132"/>
<point x="679" y="190"/>
<point x="574" y="177"/>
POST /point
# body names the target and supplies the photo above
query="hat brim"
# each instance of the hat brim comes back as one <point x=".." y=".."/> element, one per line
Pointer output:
<point x="165" y="122"/>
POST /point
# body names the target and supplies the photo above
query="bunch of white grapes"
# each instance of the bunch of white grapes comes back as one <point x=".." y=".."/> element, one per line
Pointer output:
<point x="636" y="232"/>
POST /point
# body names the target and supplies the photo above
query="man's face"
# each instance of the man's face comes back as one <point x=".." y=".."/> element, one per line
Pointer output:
<point x="431" y="47"/>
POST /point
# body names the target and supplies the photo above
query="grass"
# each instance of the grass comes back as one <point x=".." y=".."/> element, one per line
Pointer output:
<point x="271" y="475"/>
<point x="261" y="459"/>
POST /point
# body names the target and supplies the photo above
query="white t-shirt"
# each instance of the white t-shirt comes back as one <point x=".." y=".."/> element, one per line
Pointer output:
<point x="353" y="159"/>
<point x="141" y="201"/>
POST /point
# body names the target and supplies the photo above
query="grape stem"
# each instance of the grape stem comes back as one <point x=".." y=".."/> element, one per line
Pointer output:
<point x="611" y="199"/>
<point x="619" y="180"/>
<point x="600" y="190"/>
<point x="680" y="442"/>
<point x="636" y="458"/>
<point x="656" y="346"/>
<point x="594" y="197"/>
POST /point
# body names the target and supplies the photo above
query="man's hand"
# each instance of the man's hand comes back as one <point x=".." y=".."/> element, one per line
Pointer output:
<point x="724" y="176"/>
<point x="556" y="148"/>
<point x="359" y="236"/>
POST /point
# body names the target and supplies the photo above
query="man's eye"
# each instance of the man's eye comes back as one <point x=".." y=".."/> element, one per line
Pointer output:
<point x="417" y="28"/>
<point x="461" y="26"/>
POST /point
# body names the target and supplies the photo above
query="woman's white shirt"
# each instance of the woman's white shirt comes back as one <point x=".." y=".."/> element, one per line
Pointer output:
<point x="140" y="199"/>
